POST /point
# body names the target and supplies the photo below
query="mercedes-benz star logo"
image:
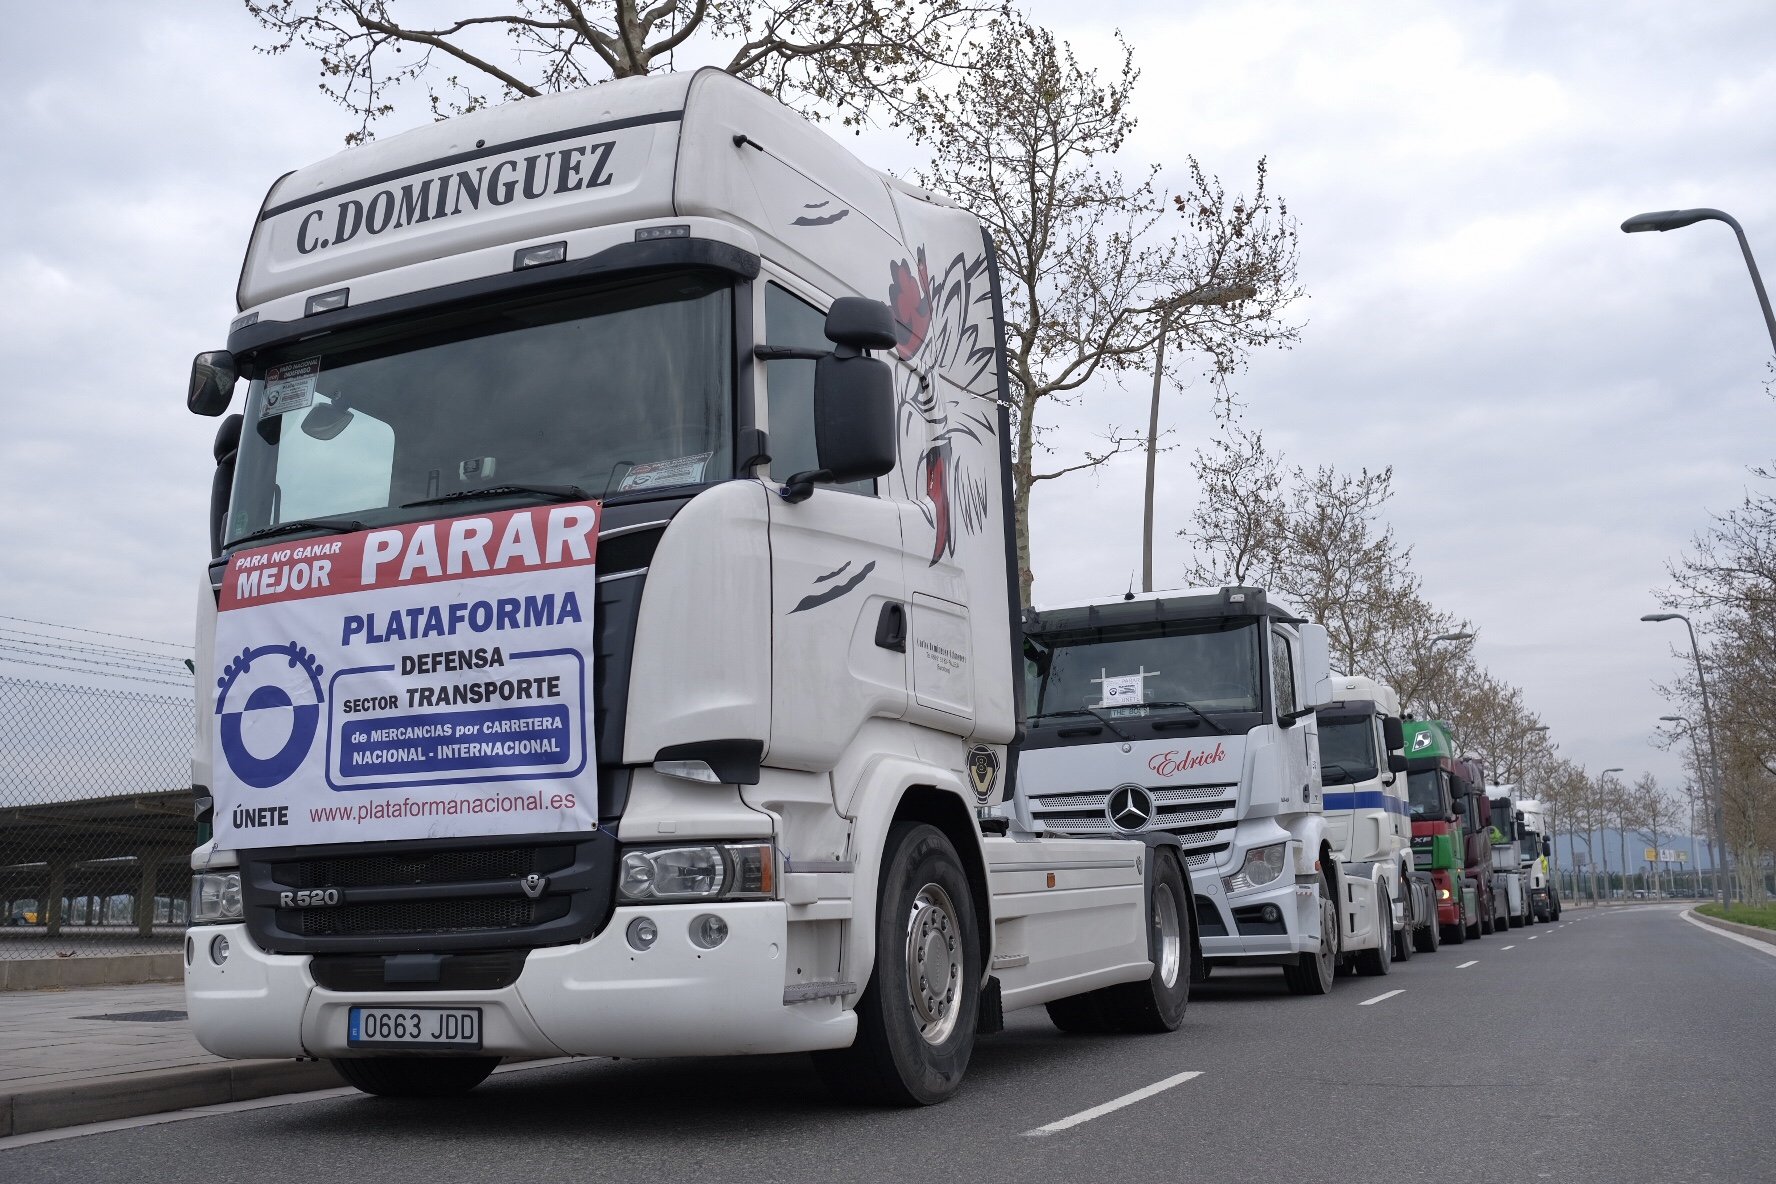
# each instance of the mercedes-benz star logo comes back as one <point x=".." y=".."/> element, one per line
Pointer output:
<point x="1130" y="808"/>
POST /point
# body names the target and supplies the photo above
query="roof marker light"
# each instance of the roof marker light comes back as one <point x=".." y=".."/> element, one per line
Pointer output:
<point x="537" y="256"/>
<point x="327" y="302"/>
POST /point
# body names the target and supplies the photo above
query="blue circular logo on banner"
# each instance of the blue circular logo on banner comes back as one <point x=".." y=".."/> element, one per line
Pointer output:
<point x="260" y="686"/>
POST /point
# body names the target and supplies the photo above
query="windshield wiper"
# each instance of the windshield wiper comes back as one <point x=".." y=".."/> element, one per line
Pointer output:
<point x="336" y="525"/>
<point x="1191" y="707"/>
<point x="554" y="493"/>
<point x="1091" y="711"/>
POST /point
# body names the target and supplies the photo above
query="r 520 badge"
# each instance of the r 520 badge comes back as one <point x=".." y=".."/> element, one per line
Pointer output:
<point x="308" y="898"/>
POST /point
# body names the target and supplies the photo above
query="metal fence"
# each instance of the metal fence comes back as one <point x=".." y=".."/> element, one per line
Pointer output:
<point x="96" y="825"/>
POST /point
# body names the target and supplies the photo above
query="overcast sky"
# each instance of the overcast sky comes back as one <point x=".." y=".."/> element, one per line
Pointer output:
<point x="1563" y="405"/>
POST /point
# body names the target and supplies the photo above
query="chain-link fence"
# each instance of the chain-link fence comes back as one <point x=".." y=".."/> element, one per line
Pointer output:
<point x="96" y="824"/>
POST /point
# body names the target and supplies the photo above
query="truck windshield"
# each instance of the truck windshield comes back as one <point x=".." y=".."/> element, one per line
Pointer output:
<point x="1347" y="751"/>
<point x="624" y="389"/>
<point x="1427" y="793"/>
<point x="1148" y="668"/>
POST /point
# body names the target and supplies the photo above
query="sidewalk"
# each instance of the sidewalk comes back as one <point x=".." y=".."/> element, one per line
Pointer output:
<point x="90" y="1054"/>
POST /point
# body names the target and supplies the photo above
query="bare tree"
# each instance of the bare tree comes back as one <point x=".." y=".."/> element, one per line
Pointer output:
<point x="1654" y="815"/>
<point x="1094" y="272"/>
<point x="853" y="58"/>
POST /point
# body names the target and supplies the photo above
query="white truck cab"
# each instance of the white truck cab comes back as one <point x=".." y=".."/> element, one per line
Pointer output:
<point x="1387" y="910"/>
<point x="1191" y="714"/>
<point x="609" y="645"/>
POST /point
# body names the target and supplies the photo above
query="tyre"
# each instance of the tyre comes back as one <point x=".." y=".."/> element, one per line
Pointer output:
<point x="916" y="1019"/>
<point x="1157" y="1003"/>
<point x="1457" y="933"/>
<point x="1557" y="910"/>
<point x="415" y="1077"/>
<point x="1402" y="939"/>
<point x="1518" y="922"/>
<point x="1313" y="972"/>
<point x="1429" y="936"/>
<point x="1477" y="927"/>
<point x="1380" y="960"/>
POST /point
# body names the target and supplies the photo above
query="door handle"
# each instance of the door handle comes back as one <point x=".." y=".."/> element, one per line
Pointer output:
<point x="891" y="627"/>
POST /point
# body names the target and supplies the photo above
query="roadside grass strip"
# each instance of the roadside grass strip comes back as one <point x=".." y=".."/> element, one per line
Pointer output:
<point x="1749" y="943"/>
<point x="1128" y="1099"/>
<point x="1380" y="997"/>
<point x="1465" y="965"/>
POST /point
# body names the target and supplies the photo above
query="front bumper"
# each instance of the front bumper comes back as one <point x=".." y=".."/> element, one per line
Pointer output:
<point x="1246" y="936"/>
<point x="594" y="998"/>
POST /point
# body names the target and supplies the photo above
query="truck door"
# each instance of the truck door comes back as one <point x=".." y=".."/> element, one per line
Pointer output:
<point x="1299" y="745"/>
<point x="838" y="586"/>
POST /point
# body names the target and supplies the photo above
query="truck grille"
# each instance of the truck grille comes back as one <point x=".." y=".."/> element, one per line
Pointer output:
<point x="436" y="896"/>
<point x="1199" y="815"/>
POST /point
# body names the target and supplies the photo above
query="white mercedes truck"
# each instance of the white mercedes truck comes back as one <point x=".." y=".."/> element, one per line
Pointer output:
<point x="1387" y="910"/>
<point x="610" y="646"/>
<point x="1191" y="714"/>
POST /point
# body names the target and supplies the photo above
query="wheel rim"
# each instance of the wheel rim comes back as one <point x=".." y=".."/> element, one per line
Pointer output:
<point x="934" y="963"/>
<point x="1169" y="935"/>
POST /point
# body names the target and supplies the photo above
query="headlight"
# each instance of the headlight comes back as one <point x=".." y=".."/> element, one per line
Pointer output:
<point x="1262" y="865"/>
<point x="216" y="897"/>
<point x="714" y="871"/>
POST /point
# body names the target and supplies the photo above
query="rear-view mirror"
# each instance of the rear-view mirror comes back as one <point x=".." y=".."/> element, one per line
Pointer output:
<point x="853" y="417"/>
<point x="213" y="376"/>
<point x="1396" y="762"/>
<point x="1394" y="732"/>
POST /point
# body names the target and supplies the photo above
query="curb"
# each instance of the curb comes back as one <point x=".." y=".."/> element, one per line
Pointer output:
<point x="1767" y="936"/>
<point x="39" y="974"/>
<point x="132" y="1095"/>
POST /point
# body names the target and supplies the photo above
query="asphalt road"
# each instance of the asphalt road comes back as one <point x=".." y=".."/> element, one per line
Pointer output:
<point x="1625" y="1044"/>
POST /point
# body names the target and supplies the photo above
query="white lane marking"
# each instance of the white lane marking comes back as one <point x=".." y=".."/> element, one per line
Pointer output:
<point x="1465" y="965"/>
<point x="1533" y="938"/>
<point x="1761" y="947"/>
<point x="1380" y="997"/>
<point x="1129" y="1099"/>
<point x="1509" y="947"/>
<point x="141" y="1120"/>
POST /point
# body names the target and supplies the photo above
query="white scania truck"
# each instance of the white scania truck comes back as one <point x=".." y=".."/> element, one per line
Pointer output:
<point x="603" y="653"/>
<point x="1535" y="848"/>
<point x="1513" y="871"/>
<point x="1191" y="714"/>
<point x="1387" y="909"/>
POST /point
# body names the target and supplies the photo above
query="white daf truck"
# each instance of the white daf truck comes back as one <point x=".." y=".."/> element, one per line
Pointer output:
<point x="603" y="652"/>
<point x="1387" y="909"/>
<point x="1191" y="714"/>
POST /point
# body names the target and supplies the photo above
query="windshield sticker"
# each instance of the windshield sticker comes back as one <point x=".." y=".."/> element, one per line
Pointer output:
<point x="686" y="470"/>
<point x="427" y="680"/>
<point x="290" y="387"/>
<point x="1123" y="690"/>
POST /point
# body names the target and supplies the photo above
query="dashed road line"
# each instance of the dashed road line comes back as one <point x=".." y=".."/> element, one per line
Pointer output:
<point x="1512" y="946"/>
<point x="1380" y="997"/>
<point x="1471" y="962"/>
<point x="1128" y="1099"/>
<point x="1533" y="938"/>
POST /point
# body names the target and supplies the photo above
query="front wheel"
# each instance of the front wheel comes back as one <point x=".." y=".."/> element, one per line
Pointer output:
<point x="1312" y="972"/>
<point x="1379" y="960"/>
<point x="916" y="1019"/>
<point x="415" y="1077"/>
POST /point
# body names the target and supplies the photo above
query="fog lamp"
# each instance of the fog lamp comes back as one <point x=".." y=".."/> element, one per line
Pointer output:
<point x="708" y="931"/>
<point x="219" y="949"/>
<point x="642" y="933"/>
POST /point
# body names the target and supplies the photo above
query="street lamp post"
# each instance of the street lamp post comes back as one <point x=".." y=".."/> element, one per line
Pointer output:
<point x="1195" y="297"/>
<point x="1714" y="769"/>
<point x="1702" y="772"/>
<point x="1663" y="220"/>
<point x="1602" y="844"/>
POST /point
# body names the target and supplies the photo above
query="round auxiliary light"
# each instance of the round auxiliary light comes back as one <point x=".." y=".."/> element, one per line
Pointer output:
<point x="1272" y="914"/>
<point x="708" y="931"/>
<point x="219" y="949"/>
<point x="642" y="933"/>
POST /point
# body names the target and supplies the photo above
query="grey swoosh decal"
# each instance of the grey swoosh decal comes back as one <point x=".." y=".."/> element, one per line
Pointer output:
<point x="817" y="599"/>
<point x="804" y="220"/>
<point x="829" y="575"/>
